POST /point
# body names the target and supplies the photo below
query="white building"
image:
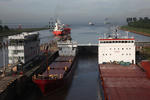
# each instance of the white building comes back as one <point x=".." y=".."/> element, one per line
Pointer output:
<point x="119" y="49"/>
<point x="23" y="47"/>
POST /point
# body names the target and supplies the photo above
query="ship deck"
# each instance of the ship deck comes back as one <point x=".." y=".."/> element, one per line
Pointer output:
<point x="64" y="59"/>
<point x="124" y="82"/>
<point x="59" y="66"/>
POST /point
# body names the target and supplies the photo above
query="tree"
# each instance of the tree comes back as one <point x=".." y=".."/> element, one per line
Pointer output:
<point x="146" y="19"/>
<point x="127" y="20"/>
<point x="134" y="19"/>
<point x="1" y="28"/>
<point x="140" y="19"/>
<point x="6" y="28"/>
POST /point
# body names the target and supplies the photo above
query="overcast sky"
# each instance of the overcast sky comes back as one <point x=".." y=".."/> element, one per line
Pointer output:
<point x="72" y="11"/>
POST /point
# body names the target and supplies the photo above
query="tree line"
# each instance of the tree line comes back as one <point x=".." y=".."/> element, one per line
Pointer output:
<point x="4" y="28"/>
<point x="138" y="22"/>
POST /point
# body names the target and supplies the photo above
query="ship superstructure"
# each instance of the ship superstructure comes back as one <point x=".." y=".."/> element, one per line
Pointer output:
<point x="67" y="48"/>
<point x="23" y="47"/>
<point x="116" y="49"/>
<point x="61" y="29"/>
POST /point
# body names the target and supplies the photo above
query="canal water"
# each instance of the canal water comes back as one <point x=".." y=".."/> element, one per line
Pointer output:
<point x="84" y="82"/>
<point x="84" y="85"/>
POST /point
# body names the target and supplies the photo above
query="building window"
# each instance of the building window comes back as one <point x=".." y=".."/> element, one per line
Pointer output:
<point x="129" y="53"/>
<point x="110" y="48"/>
<point x="122" y="48"/>
<point x="122" y="54"/>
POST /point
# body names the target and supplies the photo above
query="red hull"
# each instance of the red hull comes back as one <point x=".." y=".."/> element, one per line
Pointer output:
<point x="63" y="32"/>
<point x="46" y="85"/>
<point x="50" y="84"/>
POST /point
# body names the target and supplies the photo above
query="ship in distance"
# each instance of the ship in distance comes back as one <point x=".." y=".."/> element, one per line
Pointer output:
<point x="60" y="70"/>
<point x="90" y="23"/>
<point x="60" y="29"/>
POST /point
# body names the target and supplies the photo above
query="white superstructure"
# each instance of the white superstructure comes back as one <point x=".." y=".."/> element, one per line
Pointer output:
<point x="23" y="47"/>
<point x="116" y="49"/>
<point x="67" y="48"/>
<point x="58" y="26"/>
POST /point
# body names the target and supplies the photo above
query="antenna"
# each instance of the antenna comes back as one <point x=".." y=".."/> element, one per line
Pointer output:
<point x="127" y="34"/>
<point x="104" y="35"/>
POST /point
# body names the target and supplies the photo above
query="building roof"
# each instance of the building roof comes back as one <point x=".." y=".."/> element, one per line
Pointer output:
<point x="23" y="35"/>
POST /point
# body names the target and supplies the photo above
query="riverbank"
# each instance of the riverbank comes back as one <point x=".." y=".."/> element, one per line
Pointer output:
<point x="141" y="31"/>
<point x="17" y="31"/>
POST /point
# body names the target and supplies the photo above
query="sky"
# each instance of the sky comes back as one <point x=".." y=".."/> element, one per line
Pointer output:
<point x="72" y="11"/>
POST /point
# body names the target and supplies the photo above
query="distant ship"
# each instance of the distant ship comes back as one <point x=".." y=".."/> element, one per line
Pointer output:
<point x="90" y="23"/>
<point x="61" y="29"/>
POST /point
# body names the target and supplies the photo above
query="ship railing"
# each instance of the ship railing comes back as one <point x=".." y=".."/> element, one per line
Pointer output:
<point x="49" y="77"/>
<point x="16" y="44"/>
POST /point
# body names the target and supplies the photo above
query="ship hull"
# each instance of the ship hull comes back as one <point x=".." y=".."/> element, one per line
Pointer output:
<point x="57" y="33"/>
<point x="62" y="32"/>
<point x="47" y="85"/>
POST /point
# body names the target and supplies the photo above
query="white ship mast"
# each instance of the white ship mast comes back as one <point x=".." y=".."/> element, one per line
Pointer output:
<point x="58" y="25"/>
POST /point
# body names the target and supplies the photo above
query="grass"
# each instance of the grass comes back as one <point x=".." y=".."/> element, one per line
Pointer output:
<point x="142" y="31"/>
<point x="17" y="31"/>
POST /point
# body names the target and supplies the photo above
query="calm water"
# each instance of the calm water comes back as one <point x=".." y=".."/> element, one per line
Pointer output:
<point x="90" y="34"/>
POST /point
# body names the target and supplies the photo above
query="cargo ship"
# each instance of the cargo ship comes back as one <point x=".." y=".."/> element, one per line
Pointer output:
<point x="60" y="70"/>
<point x="119" y="76"/>
<point x="61" y="29"/>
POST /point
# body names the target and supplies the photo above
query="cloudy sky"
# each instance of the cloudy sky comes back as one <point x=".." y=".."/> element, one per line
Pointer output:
<point x="72" y="11"/>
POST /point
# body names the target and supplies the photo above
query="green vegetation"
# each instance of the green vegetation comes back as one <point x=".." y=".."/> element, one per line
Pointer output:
<point x="5" y="31"/>
<point x="129" y="28"/>
<point x="140" y="26"/>
<point x="146" y="52"/>
<point x="139" y="23"/>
